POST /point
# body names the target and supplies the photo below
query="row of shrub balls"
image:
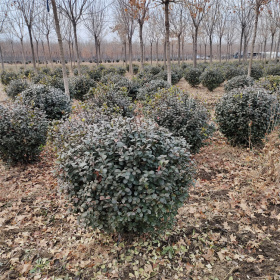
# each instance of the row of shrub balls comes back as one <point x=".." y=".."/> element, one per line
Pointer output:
<point x="124" y="154"/>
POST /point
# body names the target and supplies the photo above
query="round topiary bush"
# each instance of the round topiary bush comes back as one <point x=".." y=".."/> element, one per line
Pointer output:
<point x="16" y="87"/>
<point x="54" y="102"/>
<point x="256" y="72"/>
<point x="246" y="115"/>
<point x="80" y="86"/>
<point x="232" y="71"/>
<point x="182" y="115"/>
<point x="7" y="77"/>
<point x="23" y="131"/>
<point x="175" y="77"/>
<point x="273" y="70"/>
<point x="127" y="175"/>
<point x="211" y="78"/>
<point x="149" y="90"/>
<point x="110" y="100"/>
<point x="239" y="82"/>
<point x="192" y="76"/>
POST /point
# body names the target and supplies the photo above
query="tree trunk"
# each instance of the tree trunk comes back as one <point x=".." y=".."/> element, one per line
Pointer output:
<point x="240" y="46"/>
<point x="49" y="49"/>
<point x="37" y="52"/>
<point x="211" y="48"/>
<point x="164" y="54"/>
<point x="271" y="47"/>
<point x="44" y="53"/>
<point x="141" y="44"/>
<point x="13" y="51"/>
<point x="179" y="49"/>
<point x="77" y="47"/>
<point x="2" y="60"/>
<point x="195" y="47"/>
<point x="277" y="49"/>
<point x="264" y="48"/>
<point x="23" y="54"/>
<point x="220" y="49"/>
<point x="96" y="49"/>
<point x="71" y="57"/>
<point x="57" y="28"/>
<point x="205" y="52"/>
<point x="254" y="39"/>
<point x="157" y="50"/>
<point x="32" y="48"/>
<point x="183" y="54"/>
<point x="151" y="53"/>
<point x="125" y="56"/>
<point x="130" y="56"/>
<point x="166" y="11"/>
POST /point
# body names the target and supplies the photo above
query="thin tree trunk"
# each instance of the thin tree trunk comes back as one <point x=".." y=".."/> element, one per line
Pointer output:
<point x="220" y="49"/>
<point x="130" y="56"/>
<point x="44" y="53"/>
<point x="164" y="55"/>
<point x="241" y="42"/>
<point x="271" y="47"/>
<point x="277" y="49"/>
<point x="77" y="48"/>
<point x="59" y="38"/>
<point x="141" y="45"/>
<point x="157" y="50"/>
<point x="264" y="48"/>
<point x="23" y="54"/>
<point x="32" y="48"/>
<point x="49" y="49"/>
<point x="2" y="60"/>
<point x="254" y="40"/>
<point x="71" y="58"/>
<point x="14" y="57"/>
<point x="166" y="11"/>
<point x="151" y="53"/>
<point x="205" y="52"/>
<point x="211" y="49"/>
<point x="37" y="52"/>
<point x="96" y="49"/>
<point x="125" y="56"/>
<point x="183" y="54"/>
<point x="195" y="47"/>
<point x="179" y="49"/>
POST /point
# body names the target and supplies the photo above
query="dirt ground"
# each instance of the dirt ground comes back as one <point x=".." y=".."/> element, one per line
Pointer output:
<point x="229" y="228"/>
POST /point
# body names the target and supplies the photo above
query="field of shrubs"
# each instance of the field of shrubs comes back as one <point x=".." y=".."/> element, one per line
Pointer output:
<point x="133" y="178"/>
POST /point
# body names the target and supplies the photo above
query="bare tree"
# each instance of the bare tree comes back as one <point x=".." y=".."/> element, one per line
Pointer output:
<point x="16" y="28"/>
<point x="73" y="10"/>
<point x="140" y="11"/>
<point x="198" y="9"/>
<point x="223" y="15"/>
<point x="59" y="38"/>
<point x="209" y="24"/>
<point x="29" y="12"/>
<point x="178" y="24"/>
<point x="95" y="24"/>
<point x="126" y="21"/>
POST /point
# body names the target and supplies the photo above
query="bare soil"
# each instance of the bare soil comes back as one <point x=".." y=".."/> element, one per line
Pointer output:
<point x="229" y="228"/>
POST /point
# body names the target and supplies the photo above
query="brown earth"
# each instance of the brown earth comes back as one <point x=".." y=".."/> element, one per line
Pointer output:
<point x="228" y="229"/>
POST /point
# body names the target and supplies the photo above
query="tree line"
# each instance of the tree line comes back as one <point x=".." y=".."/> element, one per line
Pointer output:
<point x="243" y="28"/>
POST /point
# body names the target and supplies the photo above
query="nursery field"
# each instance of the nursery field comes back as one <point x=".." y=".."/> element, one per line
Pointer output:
<point x="227" y="229"/>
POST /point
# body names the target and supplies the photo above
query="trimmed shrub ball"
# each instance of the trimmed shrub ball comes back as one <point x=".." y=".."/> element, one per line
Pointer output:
<point x="239" y="82"/>
<point x="211" y="78"/>
<point x="23" y="131"/>
<point x="246" y="115"/>
<point x="183" y="116"/>
<point x="16" y="87"/>
<point x="192" y="76"/>
<point x="54" y="102"/>
<point x="126" y="176"/>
